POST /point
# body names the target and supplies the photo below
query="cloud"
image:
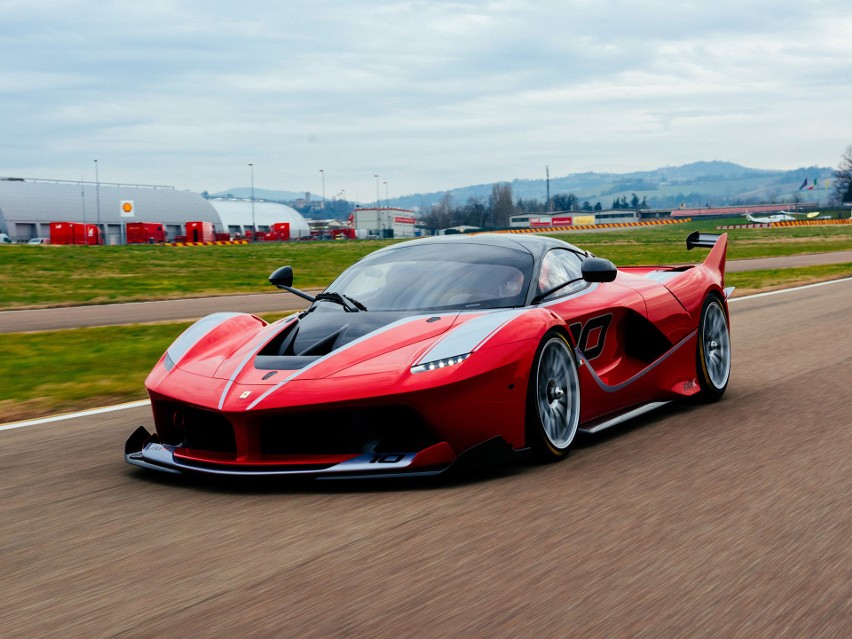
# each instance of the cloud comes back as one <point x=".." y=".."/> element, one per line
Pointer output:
<point x="430" y="95"/>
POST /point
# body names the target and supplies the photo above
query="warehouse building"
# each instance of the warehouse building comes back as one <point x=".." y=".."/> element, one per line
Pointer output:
<point x="385" y="222"/>
<point x="28" y="206"/>
<point x="236" y="216"/>
<point x="585" y="218"/>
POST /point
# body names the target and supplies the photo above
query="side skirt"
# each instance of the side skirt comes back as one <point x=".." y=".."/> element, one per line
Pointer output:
<point x="609" y="421"/>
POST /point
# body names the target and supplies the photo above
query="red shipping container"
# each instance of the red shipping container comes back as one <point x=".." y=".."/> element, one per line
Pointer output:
<point x="74" y="233"/>
<point x="280" y="231"/>
<point x="261" y="235"/>
<point x="199" y="232"/>
<point x="145" y="233"/>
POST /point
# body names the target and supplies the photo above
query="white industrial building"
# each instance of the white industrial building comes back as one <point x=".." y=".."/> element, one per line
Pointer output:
<point x="236" y="216"/>
<point x="571" y="218"/>
<point x="385" y="221"/>
<point x="28" y="206"/>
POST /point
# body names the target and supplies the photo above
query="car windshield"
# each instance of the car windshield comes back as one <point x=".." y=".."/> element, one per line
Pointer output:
<point x="438" y="276"/>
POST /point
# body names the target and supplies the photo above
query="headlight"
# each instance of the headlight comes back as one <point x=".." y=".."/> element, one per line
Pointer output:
<point x="440" y="363"/>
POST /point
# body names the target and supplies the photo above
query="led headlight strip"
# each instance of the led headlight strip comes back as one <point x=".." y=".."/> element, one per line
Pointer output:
<point x="439" y="363"/>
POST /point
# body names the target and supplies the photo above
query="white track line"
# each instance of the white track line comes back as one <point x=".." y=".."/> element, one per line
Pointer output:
<point x="788" y="290"/>
<point x="83" y="413"/>
<point x="145" y="402"/>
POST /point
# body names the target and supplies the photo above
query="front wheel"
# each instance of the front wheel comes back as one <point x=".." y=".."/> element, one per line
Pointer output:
<point x="714" y="350"/>
<point x="553" y="399"/>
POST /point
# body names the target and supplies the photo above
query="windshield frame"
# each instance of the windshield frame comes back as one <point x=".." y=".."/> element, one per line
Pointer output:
<point x="439" y="277"/>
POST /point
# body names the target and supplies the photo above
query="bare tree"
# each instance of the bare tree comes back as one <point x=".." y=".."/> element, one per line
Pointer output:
<point x="564" y="201"/>
<point x="474" y="213"/>
<point x="501" y="204"/>
<point x="843" y="178"/>
<point x="442" y="214"/>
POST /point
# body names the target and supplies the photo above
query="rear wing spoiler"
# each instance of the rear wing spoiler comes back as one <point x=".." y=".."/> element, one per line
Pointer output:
<point x="702" y="240"/>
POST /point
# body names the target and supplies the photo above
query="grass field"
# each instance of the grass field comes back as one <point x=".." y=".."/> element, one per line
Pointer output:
<point x="60" y="371"/>
<point x="41" y="276"/>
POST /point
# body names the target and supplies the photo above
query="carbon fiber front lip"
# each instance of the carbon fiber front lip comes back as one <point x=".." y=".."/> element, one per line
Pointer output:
<point x="157" y="456"/>
<point x="145" y="450"/>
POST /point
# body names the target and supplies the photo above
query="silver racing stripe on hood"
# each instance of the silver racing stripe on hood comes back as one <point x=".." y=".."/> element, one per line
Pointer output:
<point x="472" y="333"/>
<point x="191" y="336"/>
<point x="254" y="350"/>
<point x="378" y="331"/>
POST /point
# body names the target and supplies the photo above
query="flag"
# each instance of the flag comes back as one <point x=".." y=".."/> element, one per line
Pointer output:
<point x="804" y="184"/>
<point x="813" y="184"/>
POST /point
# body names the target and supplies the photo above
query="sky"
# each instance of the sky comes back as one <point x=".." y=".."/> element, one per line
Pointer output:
<point x="428" y="95"/>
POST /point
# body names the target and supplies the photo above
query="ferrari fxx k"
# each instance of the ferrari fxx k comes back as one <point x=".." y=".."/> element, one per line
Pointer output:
<point x="433" y="352"/>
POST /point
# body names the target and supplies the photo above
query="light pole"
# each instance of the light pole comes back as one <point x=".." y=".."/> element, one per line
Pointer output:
<point x="83" y="198"/>
<point x="253" y="225"/>
<point x="97" y="199"/>
<point x="378" y="211"/>
<point x="322" y="171"/>
<point x="387" y="204"/>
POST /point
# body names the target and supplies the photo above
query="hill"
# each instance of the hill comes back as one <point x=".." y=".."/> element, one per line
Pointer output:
<point x="261" y="194"/>
<point x="696" y="184"/>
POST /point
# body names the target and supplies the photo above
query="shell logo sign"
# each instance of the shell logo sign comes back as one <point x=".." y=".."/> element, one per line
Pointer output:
<point x="127" y="208"/>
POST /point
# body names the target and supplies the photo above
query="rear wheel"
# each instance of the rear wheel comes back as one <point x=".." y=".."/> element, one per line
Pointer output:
<point x="714" y="350"/>
<point x="553" y="398"/>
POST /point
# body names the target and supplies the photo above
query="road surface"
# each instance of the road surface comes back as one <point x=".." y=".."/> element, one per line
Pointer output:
<point x="724" y="520"/>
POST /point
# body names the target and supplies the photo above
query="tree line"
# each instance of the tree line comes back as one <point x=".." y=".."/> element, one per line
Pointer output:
<point x="843" y="178"/>
<point x="495" y="211"/>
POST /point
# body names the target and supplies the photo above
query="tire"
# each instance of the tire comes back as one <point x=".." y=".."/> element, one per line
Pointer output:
<point x="713" y="357"/>
<point x="553" y="398"/>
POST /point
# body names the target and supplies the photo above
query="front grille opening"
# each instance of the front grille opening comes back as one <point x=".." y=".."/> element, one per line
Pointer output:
<point x="194" y="428"/>
<point x="387" y="429"/>
<point x="206" y="430"/>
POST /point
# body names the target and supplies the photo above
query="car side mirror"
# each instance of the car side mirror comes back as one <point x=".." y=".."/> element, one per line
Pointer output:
<point x="598" y="269"/>
<point x="282" y="277"/>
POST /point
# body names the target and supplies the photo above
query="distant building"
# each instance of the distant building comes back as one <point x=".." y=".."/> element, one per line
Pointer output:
<point x="235" y="216"/>
<point x="385" y="221"/>
<point x="571" y="218"/>
<point x="585" y="218"/>
<point x="28" y="206"/>
<point x="725" y="211"/>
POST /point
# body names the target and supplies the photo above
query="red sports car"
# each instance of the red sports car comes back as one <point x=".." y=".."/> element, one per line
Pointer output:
<point x="433" y="352"/>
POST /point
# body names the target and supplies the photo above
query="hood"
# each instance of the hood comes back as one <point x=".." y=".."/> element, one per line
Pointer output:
<point x="250" y="360"/>
<point x="239" y="347"/>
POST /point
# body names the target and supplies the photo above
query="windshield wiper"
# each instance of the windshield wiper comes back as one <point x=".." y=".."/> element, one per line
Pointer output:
<point x="349" y="304"/>
<point x="546" y="294"/>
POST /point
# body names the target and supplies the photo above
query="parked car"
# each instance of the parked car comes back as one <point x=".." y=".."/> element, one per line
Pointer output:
<point x="39" y="240"/>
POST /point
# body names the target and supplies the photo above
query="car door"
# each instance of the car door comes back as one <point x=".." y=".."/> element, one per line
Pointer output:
<point x="609" y="327"/>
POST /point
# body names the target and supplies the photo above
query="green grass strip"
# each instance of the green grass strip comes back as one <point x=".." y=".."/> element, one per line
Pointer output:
<point x="61" y="371"/>
<point x="38" y="276"/>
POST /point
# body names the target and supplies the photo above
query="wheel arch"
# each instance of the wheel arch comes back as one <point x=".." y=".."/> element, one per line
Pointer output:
<point x="535" y="434"/>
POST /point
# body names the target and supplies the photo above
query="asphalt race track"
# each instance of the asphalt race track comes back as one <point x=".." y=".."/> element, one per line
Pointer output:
<point x="725" y="520"/>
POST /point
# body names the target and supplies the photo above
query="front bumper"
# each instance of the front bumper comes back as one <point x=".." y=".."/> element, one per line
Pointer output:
<point x="146" y="451"/>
